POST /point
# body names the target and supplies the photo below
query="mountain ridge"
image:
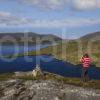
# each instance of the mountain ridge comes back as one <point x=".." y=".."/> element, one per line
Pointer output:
<point x="29" y="36"/>
<point x="91" y="35"/>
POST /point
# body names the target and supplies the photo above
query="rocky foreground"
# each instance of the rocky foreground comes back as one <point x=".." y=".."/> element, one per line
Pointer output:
<point x="38" y="85"/>
<point x="42" y="89"/>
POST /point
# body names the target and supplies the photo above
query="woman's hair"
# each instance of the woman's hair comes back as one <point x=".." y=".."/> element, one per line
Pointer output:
<point x="86" y="55"/>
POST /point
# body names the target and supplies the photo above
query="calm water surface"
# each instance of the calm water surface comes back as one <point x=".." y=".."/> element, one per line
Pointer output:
<point x="47" y="63"/>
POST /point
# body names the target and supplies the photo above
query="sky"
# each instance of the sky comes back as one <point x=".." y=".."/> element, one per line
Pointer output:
<point x="65" y="18"/>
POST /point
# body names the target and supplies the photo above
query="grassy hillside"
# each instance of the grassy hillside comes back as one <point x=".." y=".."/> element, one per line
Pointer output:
<point x="63" y="51"/>
<point x="71" y="51"/>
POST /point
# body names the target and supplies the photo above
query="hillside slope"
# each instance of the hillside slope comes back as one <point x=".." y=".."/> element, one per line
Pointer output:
<point x="72" y="51"/>
<point x="91" y="36"/>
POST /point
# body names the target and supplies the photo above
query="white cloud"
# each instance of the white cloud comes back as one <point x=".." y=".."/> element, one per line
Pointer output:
<point x="46" y="4"/>
<point x="8" y="20"/>
<point x="86" y="4"/>
<point x="3" y="14"/>
<point x="64" y="23"/>
<point x="56" y="4"/>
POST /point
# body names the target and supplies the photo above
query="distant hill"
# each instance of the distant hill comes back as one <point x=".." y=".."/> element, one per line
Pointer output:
<point x="91" y="36"/>
<point x="33" y="38"/>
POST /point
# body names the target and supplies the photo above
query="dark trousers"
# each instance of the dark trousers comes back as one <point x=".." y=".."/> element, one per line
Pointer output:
<point x="84" y="75"/>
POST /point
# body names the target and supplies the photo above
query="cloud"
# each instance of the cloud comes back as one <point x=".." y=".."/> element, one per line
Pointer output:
<point x="3" y="14"/>
<point x="9" y="20"/>
<point x="86" y="4"/>
<point x="46" y="4"/>
<point x="64" y="23"/>
<point x="56" y="4"/>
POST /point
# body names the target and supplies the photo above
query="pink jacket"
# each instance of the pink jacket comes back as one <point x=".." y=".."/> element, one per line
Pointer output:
<point x="86" y="62"/>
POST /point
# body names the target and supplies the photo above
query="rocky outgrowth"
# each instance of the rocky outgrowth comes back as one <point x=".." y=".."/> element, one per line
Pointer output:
<point x="17" y="89"/>
<point x="37" y="72"/>
<point x="20" y="74"/>
<point x="22" y="86"/>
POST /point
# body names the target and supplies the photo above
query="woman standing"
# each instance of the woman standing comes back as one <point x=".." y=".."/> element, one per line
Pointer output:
<point x="85" y="60"/>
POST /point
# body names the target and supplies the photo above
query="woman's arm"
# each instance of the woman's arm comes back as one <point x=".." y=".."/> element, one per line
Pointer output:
<point x="82" y="60"/>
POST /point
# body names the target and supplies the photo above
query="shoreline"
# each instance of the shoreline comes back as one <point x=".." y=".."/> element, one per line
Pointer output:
<point x="26" y="76"/>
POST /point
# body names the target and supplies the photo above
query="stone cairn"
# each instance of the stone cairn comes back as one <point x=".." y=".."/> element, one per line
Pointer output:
<point x="37" y="72"/>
